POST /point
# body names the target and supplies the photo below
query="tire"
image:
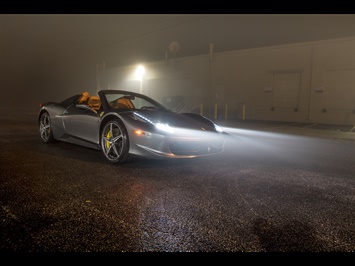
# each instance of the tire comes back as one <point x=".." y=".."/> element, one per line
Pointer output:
<point x="45" y="128"/>
<point x="114" y="142"/>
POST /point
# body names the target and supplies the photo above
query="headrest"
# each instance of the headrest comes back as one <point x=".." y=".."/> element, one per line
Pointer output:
<point x="84" y="97"/>
<point x="94" y="102"/>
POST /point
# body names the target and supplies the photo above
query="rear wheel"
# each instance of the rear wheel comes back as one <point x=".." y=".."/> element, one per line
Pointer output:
<point x="45" y="128"/>
<point x="114" y="142"/>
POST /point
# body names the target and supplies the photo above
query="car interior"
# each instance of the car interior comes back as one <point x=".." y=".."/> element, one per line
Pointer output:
<point x="123" y="103"/>
<point x="84" y="98"/>
<point x="93" y="101"/>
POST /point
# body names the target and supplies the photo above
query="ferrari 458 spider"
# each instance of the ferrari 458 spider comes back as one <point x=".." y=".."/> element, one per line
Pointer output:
<point x="123" y="123"/>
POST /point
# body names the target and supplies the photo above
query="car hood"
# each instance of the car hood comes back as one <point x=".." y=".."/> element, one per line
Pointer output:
<point x="174" y="120"/>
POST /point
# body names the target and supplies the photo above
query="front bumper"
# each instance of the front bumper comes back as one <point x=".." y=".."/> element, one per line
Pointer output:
<point x="184" y="144"/>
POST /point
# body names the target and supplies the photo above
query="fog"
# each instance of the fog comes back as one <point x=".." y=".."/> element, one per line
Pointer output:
<point x="51" y="57"/>
<point x="287" y="150"/>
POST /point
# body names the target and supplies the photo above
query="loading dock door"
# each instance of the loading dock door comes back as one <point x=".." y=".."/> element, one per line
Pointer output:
<point x="286" y="89"/>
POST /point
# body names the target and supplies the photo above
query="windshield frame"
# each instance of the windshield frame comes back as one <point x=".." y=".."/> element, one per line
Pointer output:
<point x="129" y="94"/>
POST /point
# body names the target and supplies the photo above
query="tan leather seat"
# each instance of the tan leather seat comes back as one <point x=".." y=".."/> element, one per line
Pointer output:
<point x="84" y="97"/>
<point x="124" y="103"/>
<point x="94" y="102"/>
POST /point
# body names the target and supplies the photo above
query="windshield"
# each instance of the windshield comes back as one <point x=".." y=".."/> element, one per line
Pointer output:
<point x="131" y="101"/>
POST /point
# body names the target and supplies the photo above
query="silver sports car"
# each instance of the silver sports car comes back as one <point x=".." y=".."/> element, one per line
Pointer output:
<point x="123" y="123"/>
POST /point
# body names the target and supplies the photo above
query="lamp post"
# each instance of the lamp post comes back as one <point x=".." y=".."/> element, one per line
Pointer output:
<point x="140" y="70"/>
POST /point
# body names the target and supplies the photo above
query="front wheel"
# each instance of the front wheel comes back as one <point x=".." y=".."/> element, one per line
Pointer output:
<point x="114" y="142"/>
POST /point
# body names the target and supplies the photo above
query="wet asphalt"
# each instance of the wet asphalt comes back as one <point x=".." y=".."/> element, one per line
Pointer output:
<point x="272" y="190"/>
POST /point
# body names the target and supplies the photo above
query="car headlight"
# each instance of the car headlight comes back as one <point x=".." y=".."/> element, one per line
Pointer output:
<point x="218" y="128"/>
<point x="158" y="125"/>
<point x="142" y="118"/>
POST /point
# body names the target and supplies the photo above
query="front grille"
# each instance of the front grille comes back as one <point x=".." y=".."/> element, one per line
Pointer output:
<point x="195" y="147"/>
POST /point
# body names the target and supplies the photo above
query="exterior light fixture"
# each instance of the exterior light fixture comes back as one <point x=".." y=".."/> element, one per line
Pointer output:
<point x="140" y="70"/>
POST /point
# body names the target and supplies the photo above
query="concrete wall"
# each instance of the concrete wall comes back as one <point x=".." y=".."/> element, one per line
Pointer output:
<point x="333" y="88"/>
<point x="298" y="82"/>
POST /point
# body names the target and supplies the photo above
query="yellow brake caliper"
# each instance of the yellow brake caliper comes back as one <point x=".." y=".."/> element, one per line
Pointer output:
<point x="108" y="136"/>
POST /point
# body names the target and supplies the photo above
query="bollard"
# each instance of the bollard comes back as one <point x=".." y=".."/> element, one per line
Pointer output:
<point x="226" y="111"/>
<point x="243" y="112"/>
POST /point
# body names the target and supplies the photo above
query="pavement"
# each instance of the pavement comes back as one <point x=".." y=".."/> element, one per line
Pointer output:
<point x="261" y="195"/>
<point x="344" y="132"/>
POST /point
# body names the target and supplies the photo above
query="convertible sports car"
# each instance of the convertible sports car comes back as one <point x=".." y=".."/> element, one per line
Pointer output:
<point x="123" y="123"/>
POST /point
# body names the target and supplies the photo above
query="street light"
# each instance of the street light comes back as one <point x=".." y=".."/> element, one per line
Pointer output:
<point x="140" y="70"/>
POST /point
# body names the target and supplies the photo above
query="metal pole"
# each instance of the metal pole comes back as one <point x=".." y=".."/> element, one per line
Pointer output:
<point x="309" y="118"/>
<point x="215" y="111"/>
<point x="97" y="78"/>
<point x="226" y="111"/>
<point x="243" y="113"/>
<point x="210" y="100"/>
